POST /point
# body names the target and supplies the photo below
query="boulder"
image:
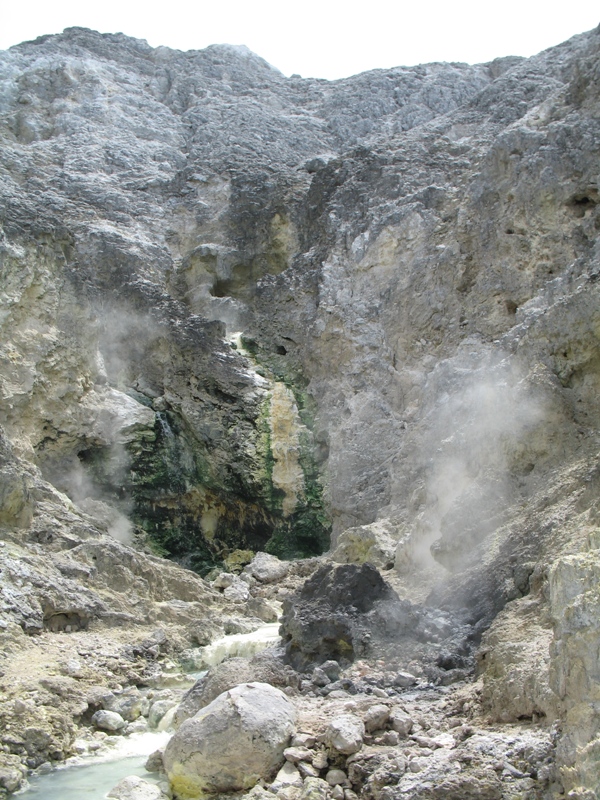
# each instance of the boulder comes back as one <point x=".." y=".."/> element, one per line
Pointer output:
<point x="325" y="619"/>
<point x="231" y="744"/>
<point x="267" y="568"/>
<point x="261" y="608"/>
<point x="108" y="721"/>
<point x="237" y="591"/>
<point x="332" y="669"/>
<point x="158" y="711"/>
<point x="154" y="762"/>
<point x="374" y="544"/>
<point x="130" y="705"/>
<point x="262" y="668"/>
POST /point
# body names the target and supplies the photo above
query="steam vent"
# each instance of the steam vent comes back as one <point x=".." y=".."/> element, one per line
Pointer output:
<point x="323" y="355"/>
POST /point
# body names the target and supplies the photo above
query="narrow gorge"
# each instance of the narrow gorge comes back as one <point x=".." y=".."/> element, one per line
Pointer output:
<point x="323" y="352"/>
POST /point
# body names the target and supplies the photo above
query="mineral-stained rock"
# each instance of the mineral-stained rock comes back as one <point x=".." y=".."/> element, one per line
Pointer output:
<point x="223" y="580"/>
<point x="374" y="543"/>
<point x="479" y="785"/>
<point x="232" y="743"/>
<point x="315" y="789"/>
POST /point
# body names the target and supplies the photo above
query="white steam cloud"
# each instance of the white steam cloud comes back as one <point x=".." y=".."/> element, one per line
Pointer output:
<point x="477" y="446"/>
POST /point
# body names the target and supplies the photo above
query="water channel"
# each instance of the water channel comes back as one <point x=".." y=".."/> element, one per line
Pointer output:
<point x="92" y="777"/>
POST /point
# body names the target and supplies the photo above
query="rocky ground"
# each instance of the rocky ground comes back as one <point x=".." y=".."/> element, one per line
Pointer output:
<point x="375" y="726"/>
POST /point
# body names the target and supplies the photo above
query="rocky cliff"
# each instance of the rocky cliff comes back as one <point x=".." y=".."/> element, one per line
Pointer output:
<point x="245" y="311"/>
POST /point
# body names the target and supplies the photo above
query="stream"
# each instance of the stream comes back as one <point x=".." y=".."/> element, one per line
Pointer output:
<point x="92" y="777"/>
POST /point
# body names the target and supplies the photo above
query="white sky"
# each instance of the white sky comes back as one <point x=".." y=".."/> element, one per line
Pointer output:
<point x="323" y="39"/>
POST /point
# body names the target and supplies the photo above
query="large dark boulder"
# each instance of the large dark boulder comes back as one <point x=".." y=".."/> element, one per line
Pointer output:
<point x="347" y="611"/>
<point x="326" y="618"/>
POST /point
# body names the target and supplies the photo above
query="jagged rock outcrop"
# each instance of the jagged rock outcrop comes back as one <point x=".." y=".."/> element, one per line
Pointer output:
<point x="245" y="311"/>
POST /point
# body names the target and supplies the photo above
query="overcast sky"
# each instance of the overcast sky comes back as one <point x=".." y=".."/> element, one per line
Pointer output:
<point x="320" y="38"/>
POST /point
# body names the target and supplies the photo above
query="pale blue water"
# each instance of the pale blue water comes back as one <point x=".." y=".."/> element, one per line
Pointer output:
<point x="86" y="782"/>
<point x="94" y="779"/>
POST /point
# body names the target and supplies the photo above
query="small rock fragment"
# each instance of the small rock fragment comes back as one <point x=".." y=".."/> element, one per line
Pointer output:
<point x="307" y="769"/>
<point x="320" y="760"/>
<point x="345" y="734"/>
<point x="108" y="721"/>
<point x="400" y="721"/>
<point x="337" y="776"/>
<point x="223" y="580"/>
<point x="319" y="677"/>
<point x="295" y="754"/>
<point x="154" y="762"/>
<point x="332" y="669"/>
<point x="303" y="740"/>
<point x="288" y="775"/>
<point x="134" y="788"/>
<point x="315" y="789"/>
<point x="376" y="718"/>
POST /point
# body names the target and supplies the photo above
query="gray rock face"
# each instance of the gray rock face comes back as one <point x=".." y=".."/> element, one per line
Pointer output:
<point x="325" y="620"/>
<point x="245" y="311"/>
<point x="228" y="746"/>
